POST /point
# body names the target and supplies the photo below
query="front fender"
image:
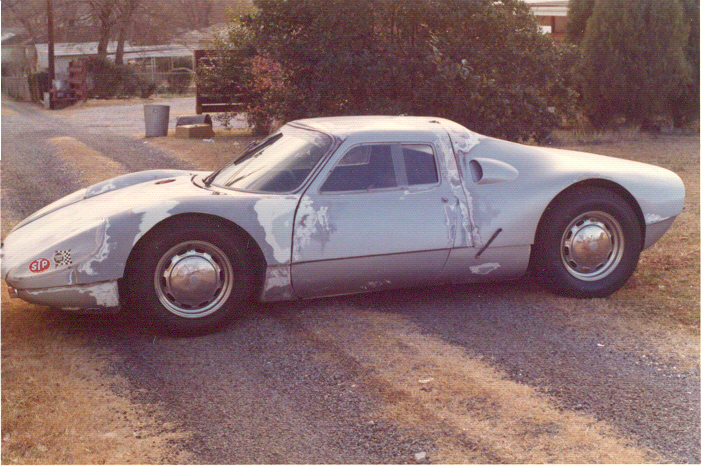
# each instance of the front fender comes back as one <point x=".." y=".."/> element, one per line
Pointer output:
<point x="29" y="262"/>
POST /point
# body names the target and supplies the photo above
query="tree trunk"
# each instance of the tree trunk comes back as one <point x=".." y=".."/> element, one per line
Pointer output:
<point x="119" y="55"/>
<point x="103" y="43"/>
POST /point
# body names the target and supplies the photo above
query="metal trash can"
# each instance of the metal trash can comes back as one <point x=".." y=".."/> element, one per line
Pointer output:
<point x="156" y="119"/>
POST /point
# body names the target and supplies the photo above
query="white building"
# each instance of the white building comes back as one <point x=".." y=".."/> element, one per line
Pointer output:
<point x="144" y="54"/>
<point x="551" y="15"/>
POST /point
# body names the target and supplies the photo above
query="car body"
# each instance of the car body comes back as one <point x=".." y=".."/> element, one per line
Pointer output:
<point x="342" y="205"/>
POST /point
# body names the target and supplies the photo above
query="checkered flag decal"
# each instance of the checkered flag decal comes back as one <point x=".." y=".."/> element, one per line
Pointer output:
<point x="63" y="258"/>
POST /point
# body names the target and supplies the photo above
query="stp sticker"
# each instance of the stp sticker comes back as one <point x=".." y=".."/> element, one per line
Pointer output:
<point x="39" y="265"/>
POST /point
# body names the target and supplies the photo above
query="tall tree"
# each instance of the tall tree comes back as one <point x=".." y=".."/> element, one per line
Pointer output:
<point x="578" y="13"/>
<point x="633" y="59"/>
<point x="152" y="21"/>
<point x="125" y="13"/>
<point x="104" y="15"/>
<point x="31" y="16"/>
<point x="685" y="106"/>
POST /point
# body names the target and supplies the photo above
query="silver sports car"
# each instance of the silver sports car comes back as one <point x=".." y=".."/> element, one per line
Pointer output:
<point x="335" y="206"/>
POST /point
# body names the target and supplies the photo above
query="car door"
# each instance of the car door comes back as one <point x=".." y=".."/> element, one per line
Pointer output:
<point x="380" y="215"/>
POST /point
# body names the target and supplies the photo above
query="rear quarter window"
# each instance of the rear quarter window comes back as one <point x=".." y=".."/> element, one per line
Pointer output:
<point x="420" y="164"/>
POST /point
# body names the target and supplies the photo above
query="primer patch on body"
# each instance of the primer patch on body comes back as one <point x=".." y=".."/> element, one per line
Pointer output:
<point x="484" y="269"/>
<point x="312" y="224"/>
<point x="653" y="218"/>
<point x="275" y="216"/>
<point x="464" y="141"/>
<point x="101" y="255"/>
<point x="464" y="219"/>
<point x="101" y="188"/>
<point x="377" y="284"/>
<point x="102" y="296"/>
<point x="278" y="284"/>
<point x="152" y="214"/>
<point x="105" y="294"/>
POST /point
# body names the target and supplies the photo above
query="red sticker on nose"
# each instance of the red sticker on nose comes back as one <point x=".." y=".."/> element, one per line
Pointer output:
<point x="39" y="265"/>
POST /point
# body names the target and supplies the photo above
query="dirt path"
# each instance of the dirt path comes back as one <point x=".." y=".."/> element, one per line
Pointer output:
<point x="471" y="374"/>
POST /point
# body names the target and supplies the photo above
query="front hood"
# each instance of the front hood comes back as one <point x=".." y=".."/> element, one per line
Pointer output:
<point x="79" y="222"/>
<point x="103" y="187"/>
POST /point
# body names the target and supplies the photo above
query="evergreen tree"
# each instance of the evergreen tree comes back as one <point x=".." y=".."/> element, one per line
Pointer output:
<point x="578" y="13"/>
<point x="633" y="59"/>
<point x="685" y="107"/>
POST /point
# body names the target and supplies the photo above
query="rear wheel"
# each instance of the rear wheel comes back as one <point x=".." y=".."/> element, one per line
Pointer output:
<point x="190" y="278"/>
<point x="588" y="243"/>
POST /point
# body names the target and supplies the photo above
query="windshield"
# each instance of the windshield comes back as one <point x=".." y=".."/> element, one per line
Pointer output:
<point x="278" y="164"/>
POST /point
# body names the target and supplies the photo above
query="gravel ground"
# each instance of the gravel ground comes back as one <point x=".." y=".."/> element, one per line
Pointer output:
<point x="267" y="389"/>
<point x="128" y="119"/>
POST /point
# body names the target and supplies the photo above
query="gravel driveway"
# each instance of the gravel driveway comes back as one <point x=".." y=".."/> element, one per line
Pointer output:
<point x="356" y="380"/>
<point x="128" y="118"/>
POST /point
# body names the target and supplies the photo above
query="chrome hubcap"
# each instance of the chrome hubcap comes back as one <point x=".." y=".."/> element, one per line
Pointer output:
<point x="592" y="246"/>
<point x="193" y="279"/>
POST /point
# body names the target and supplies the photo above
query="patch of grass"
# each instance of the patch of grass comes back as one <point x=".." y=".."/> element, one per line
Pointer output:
<point x="91" y="164"/>
<point x="206" y="154"/>
<point x="58" y="404"/>
<point x="7" y="111"/>
<point x="592" y="137"/>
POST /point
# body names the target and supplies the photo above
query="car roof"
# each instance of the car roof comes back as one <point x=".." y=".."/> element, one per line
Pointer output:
<point x="346" y="126"/>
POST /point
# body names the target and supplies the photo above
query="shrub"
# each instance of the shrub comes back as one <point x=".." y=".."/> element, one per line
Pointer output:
<point x="483" y="63"/>
<point x="223" y="75"/>
<point x="110" y="80"/>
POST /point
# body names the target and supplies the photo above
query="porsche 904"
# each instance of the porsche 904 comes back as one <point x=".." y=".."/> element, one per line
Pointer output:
<point x="342" y="205"/>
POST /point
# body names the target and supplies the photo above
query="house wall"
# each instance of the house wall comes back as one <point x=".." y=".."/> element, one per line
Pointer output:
<point x="554" y="25"/>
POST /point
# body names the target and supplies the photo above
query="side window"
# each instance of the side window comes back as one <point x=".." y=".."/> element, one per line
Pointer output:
<point x="363" y="168"/>
<point x="420" y="164"/>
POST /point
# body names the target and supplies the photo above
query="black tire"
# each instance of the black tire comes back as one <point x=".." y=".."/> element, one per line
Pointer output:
<point x="190" y="278"/>
<point x="588" y="243"/>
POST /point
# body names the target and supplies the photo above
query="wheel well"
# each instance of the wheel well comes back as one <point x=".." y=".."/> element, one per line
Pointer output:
<point x="253" y="251"/>
<point x="605" y="184"/>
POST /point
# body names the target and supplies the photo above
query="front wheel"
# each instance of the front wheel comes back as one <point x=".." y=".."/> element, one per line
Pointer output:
<point x="588" y="243"/>
<point x="190" y="278"/>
